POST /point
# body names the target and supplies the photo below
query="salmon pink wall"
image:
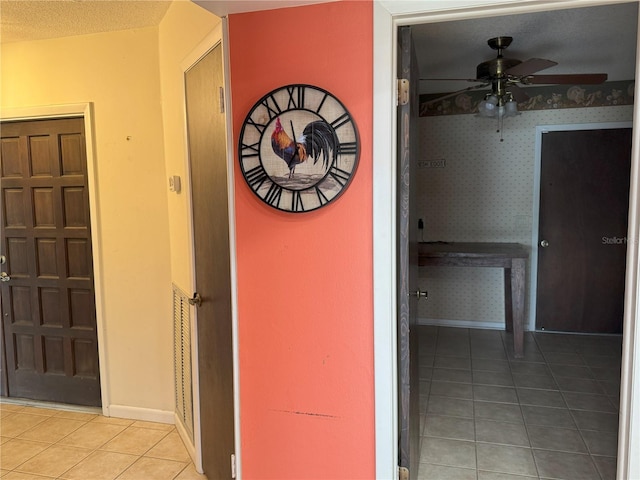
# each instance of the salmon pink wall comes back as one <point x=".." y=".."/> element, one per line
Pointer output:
<point x="305" y="281"/>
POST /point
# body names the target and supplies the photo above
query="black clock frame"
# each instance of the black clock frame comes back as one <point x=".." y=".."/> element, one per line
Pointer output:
<point x="257" y="176"/>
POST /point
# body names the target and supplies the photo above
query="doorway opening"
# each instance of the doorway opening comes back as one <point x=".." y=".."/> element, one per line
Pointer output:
<point x="476" y="190"/>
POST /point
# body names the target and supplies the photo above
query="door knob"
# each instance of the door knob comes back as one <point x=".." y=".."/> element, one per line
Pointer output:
<point x="420" y="294"/>
<point x="195" y="300"/>
<point x="4" y="277"/>
<point x="544" y="244"/>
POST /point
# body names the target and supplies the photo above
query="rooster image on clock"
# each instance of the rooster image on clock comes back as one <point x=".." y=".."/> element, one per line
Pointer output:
<point x="299" y="148"/>
<point x="318" y="140"/>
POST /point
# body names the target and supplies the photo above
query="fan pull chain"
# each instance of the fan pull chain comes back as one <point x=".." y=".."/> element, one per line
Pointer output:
<point x="500" y="125"/>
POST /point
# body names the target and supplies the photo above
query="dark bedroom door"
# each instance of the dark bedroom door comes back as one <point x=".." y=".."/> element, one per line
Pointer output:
<point x="584" y="203"/>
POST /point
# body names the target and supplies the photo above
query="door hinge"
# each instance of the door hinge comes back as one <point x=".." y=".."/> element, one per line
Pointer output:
<point x="221" y="100"/>
<point x="403" y="91"/>
<point x="233" y="465"/>
<point x="403" y="473"/>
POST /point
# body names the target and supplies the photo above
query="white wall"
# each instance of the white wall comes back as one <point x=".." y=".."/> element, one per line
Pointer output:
<point x="484" y="193"/>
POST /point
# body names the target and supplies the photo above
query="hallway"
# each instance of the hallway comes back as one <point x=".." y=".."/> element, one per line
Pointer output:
<point x="45" y="443"/>
<point x="487" y="416"/>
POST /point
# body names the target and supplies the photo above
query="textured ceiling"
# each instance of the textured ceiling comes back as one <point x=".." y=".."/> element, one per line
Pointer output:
<point x="23" y="20"/>
<point x="582" y="40"/>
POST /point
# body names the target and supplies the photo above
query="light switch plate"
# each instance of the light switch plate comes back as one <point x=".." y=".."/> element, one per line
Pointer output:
<point x="174" y="183"/>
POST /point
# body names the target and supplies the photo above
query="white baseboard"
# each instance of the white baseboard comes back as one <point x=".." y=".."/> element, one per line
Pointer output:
<point x="461" y="323"/>
<point x="186" y="439"/>
<point x="137" y="413"/>
<point x="27" y="402"/>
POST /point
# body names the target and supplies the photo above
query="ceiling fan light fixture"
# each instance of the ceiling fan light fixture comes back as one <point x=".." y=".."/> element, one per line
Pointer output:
<point x="486" y="109"/>
<point x="499" y="107"/>
<point x="511" y="108"/>
<point x="489" y="107"/>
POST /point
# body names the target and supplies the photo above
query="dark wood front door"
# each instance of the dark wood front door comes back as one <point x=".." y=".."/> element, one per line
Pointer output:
<point x="584" y="203"/>
<point x="208" y="158"/>
<point x="48" y="305"/>
<point x="408" y="381"/>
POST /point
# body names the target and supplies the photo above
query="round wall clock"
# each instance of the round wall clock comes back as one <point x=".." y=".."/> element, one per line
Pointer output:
<point x="298" y="148"/>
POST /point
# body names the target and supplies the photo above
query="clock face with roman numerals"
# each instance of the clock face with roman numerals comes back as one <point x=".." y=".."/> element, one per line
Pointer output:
<point x="299" y="148"/>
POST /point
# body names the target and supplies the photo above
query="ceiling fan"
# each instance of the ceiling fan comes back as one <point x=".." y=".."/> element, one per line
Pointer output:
<point x="505" y="75"/>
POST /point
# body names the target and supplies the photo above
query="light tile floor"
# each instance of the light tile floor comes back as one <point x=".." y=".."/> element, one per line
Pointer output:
<point x="487" y="416"/>
<point x="46" y="443"/>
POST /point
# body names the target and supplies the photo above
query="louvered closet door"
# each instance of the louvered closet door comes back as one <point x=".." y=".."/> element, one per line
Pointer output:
<point x="48" y="305"/>
<point x="182" y="360"/>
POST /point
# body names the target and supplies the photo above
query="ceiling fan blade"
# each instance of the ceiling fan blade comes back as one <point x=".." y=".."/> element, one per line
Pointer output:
<point x="577" y="79"/>
<point x="530" y="66"/>
<point x="453" y="94"/>
<point x="519" y="95"/>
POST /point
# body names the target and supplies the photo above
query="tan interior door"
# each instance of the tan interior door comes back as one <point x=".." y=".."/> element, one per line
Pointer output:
<point x="408" y="381"/>
<point x="48" y="302"/>
<point x="208" y="157"/>
<point x="584" y="203"/>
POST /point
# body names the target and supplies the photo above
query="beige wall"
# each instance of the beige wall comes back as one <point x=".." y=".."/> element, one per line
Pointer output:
<point x="183" y="28"/>
<point x="130" y="84"/>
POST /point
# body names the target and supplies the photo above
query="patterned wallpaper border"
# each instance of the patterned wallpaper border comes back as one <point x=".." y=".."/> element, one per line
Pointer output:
<point x="540" y="98"/>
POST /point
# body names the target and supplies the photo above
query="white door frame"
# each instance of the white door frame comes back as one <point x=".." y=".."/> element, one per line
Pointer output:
<point x="218" y="36"/>
<point x="388" y="16"/>
<point x="84" y="110"/>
